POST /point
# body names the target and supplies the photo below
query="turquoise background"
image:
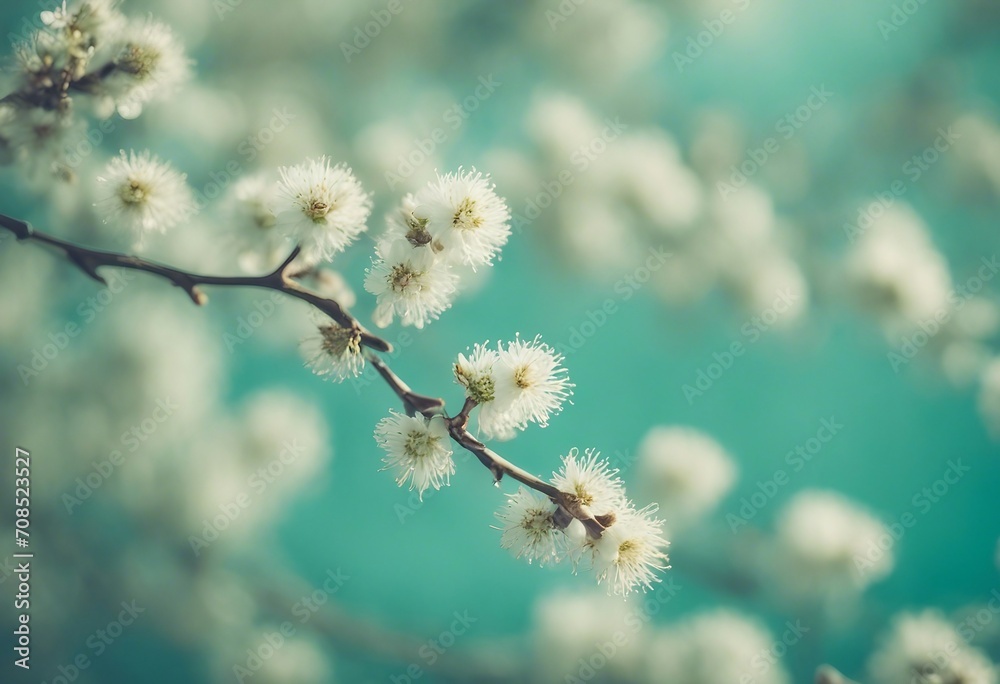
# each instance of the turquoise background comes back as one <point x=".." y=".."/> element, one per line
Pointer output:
<point x="900" y="430"/>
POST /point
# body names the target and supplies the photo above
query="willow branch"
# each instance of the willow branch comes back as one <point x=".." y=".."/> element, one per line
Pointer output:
<point x="90" y="260"/>
<point x="280" y="280"/>
<point x="494" y="462"/>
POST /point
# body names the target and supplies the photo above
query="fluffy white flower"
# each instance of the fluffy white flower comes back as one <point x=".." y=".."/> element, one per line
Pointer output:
<point x="38" y="139"/>
<point x="719" y="646"/>
<point x="630" y="551"/>
<point x="897" y="273"/>
<point x="334" y="351"/>
<point x="410" y="283"/>
<point x="925" y="649"/>
<point x="322" y="207"/>
<point x="528" y="528"/>
<point x="569" y="629"/>
<point x="685" y="471"/>
<point x="530" y="381"/>
<point x="825" y="547"/>
<point x="417" y="450"/>
<point x="253" y="233"/>
<point x="143" y="194"/>
<point x="464" y="216"/>
<point x="592" y="481"/>
<point x="402" y="224"/>
<point x="516" y="384"/>
<point x="475" y="373"/>
<point x="99" y="19"/>
<point x="150" y="63"/>
<point x="41" y="56"/>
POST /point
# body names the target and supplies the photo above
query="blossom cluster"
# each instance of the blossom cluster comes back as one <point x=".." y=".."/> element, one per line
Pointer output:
<point x="456" y="221"/>
<point x="627" y="554"/>
<point x="515" y="384"/>
<point x="518" y="383"/>
<point x="320" y="208"/>
<point x="88" y="55"/>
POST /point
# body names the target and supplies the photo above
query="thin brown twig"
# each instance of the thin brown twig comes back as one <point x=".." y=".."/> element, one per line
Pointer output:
<point x="494" y="462"/>
<point x="89" y="260"/>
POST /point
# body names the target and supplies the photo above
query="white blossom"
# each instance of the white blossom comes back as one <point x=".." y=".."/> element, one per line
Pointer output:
<point x="569" y="626"/>
<point x="530" y="381"/>
<point x="529" y="531"/>
<point x="322" y="207"/>
<point x="143" y="194"/>
<point x="592" y="481"/>
<point x="475" y="373"/>
<point x="402" y="224"/>
<point x="334" y="351"/>
<point x="417" y="449"/>
<point x="827" y="545"/>
<point x="714" y="647"/>
<point x="925" y="649"/>
<point x="464" y="216"/>
<point x="515" y="384"/>
<point x="897" y="273"/>
<point x="629" y="552"/>
<point x="99" y="19"/>
<point x="685" y="471"/>
<point x="39" y="138"/>
<point x="410" y="283"/>
<point x="253" y="231"/>
<point x="150" y="63"/>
